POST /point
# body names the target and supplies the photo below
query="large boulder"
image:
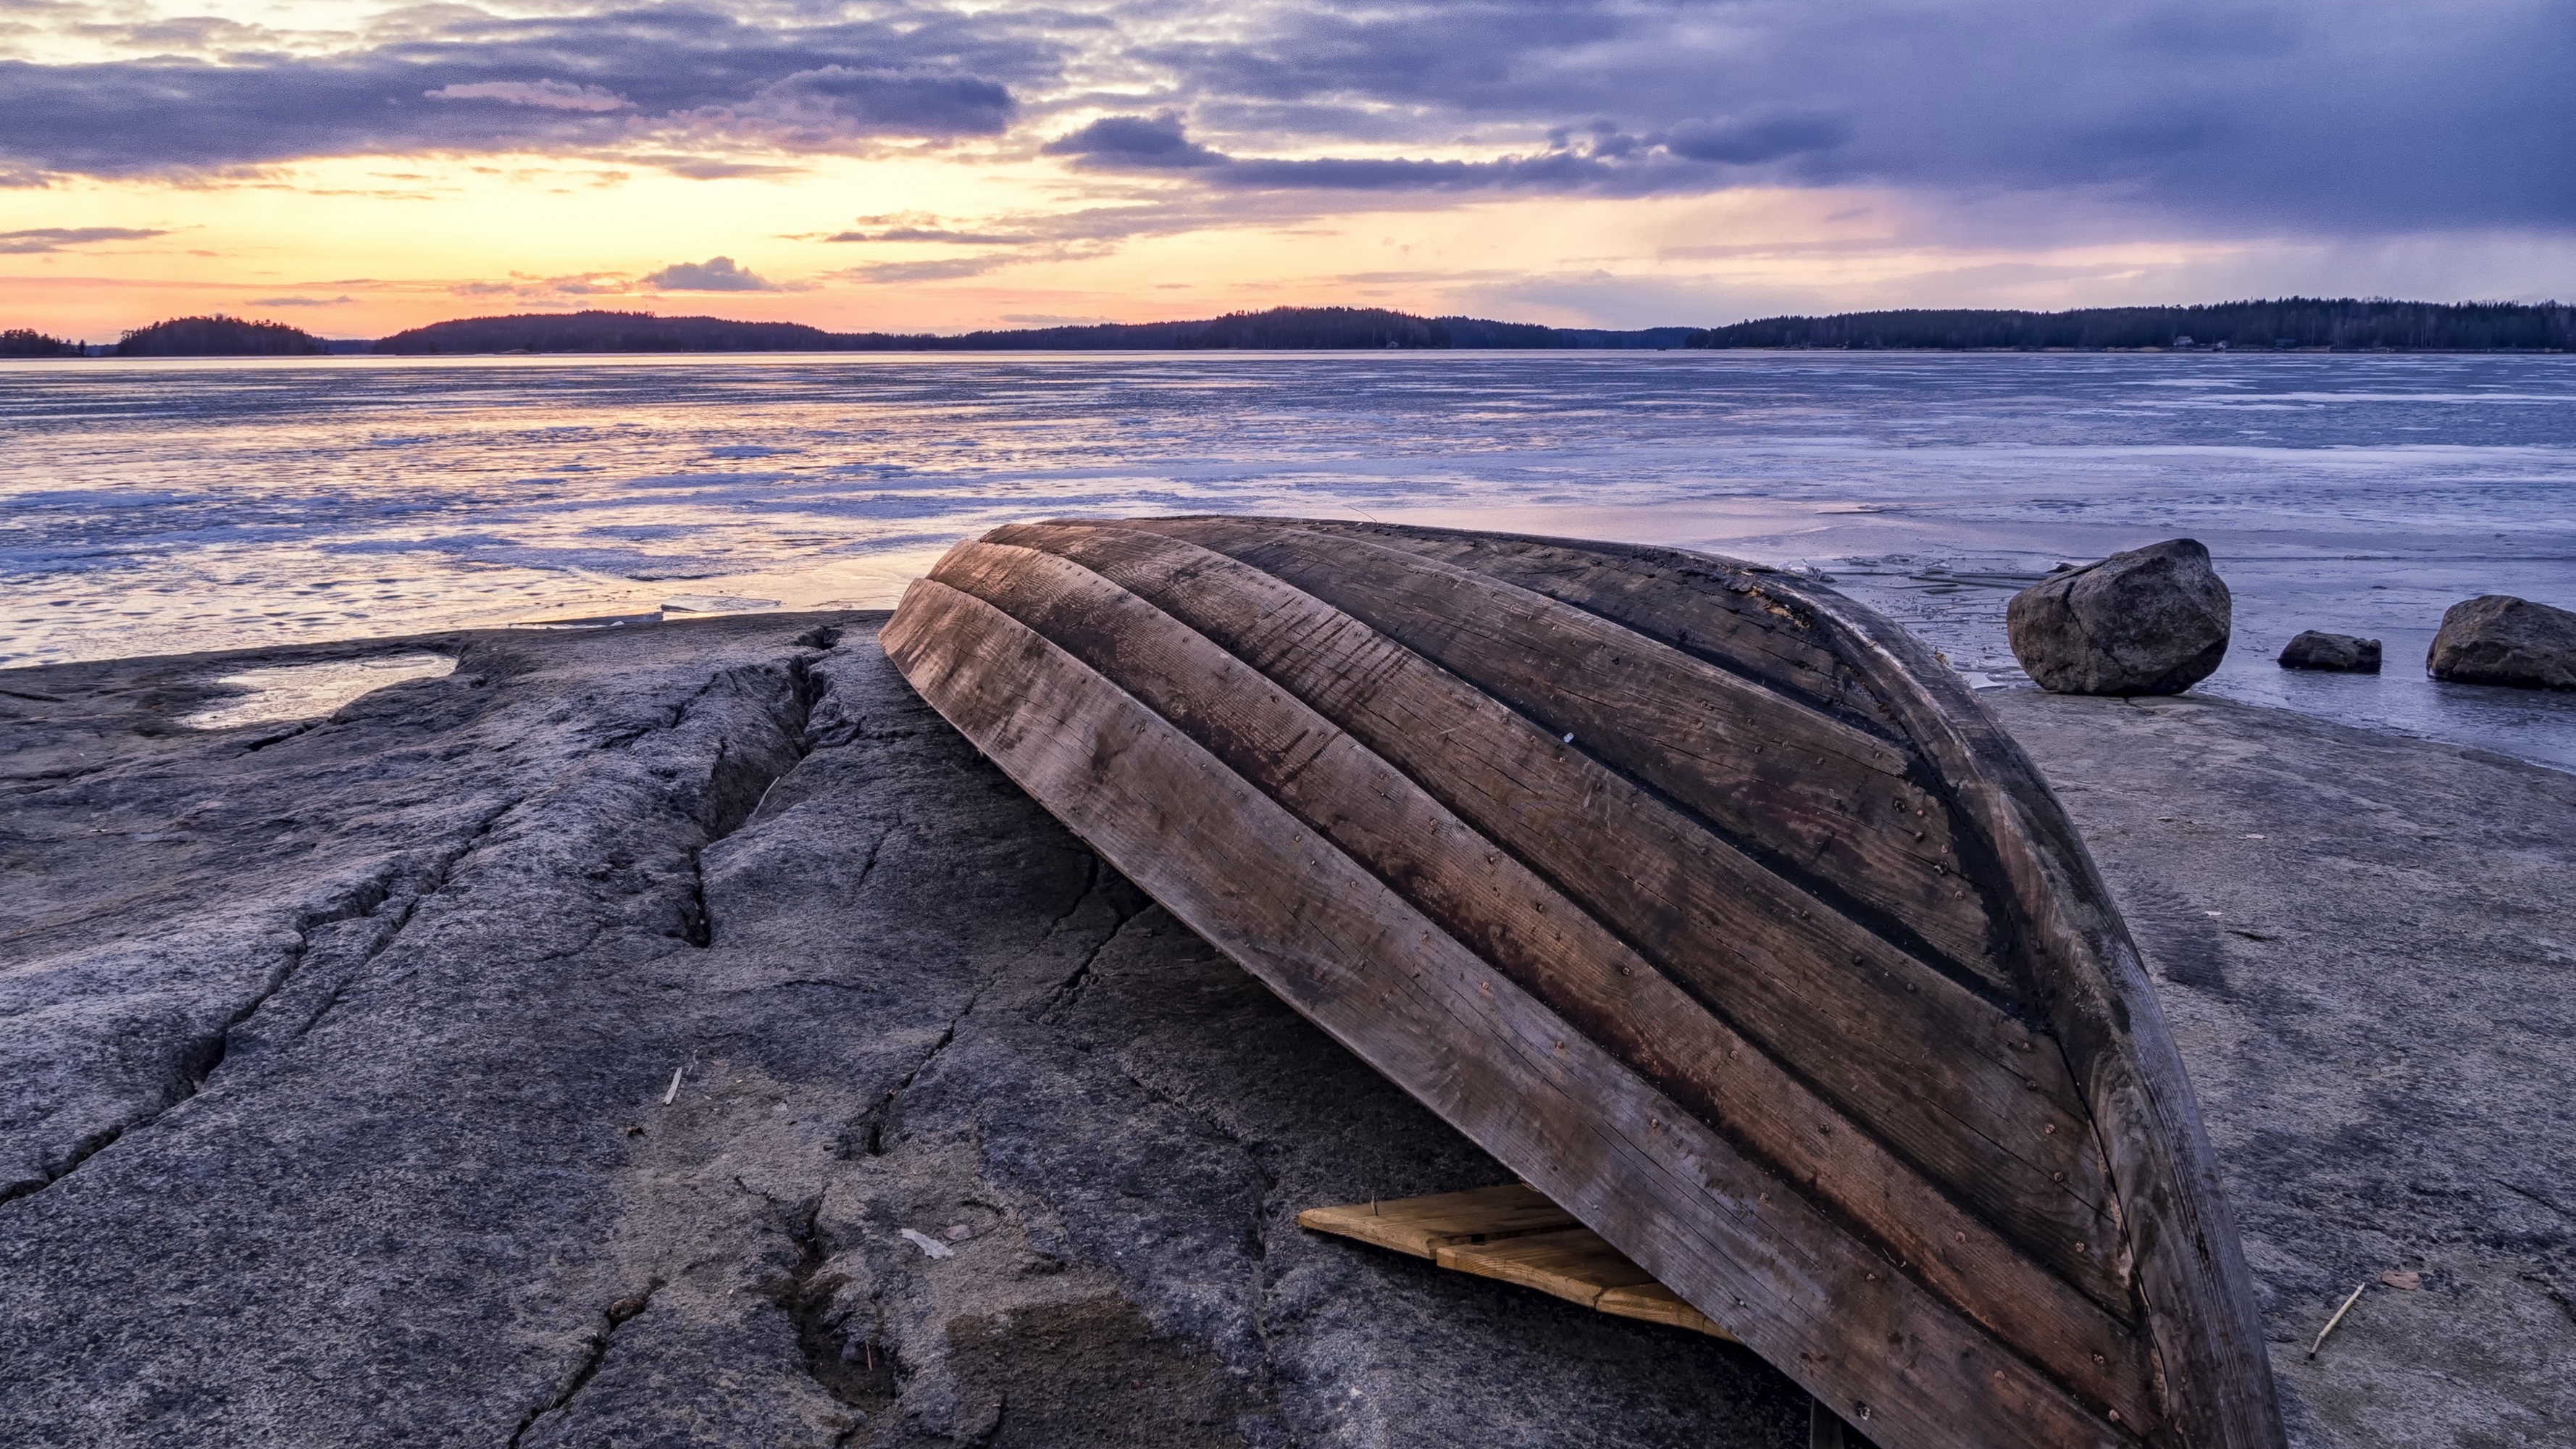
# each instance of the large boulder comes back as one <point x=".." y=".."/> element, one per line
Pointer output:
<point x="2316" y="649"/>
<point x="2499" y="639"/>
<point x="2153" y="620"/>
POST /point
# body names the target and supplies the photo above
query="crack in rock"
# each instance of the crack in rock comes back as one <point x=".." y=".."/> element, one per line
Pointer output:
<point x="738" y="785"/>
<point x="198" y="1064"/>
<point x="1068" y="992"/>
<point x="881" y="1116"/>
<point x="439" y="877"/>
<point x="858" y="1372"/>
<point x="594" y="1352"/>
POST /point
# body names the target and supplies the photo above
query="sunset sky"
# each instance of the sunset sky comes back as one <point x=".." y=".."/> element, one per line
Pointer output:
<point x="356" y="168"/>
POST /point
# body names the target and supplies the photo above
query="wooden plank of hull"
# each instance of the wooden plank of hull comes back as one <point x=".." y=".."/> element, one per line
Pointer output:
<point x="1681" y="1200"/>
<point x="1729" y="616"/>
<point x="2101" y="1005"/>
<point x="1954" y="1086"/>
<point x="2190" y="1265"/>
<point x="1834" y="806"/>
<point x="1550" y="947"/>
<point x="2084" y="970"/>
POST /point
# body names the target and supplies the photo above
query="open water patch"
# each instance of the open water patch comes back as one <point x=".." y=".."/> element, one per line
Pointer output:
<point x="284" y="692"/>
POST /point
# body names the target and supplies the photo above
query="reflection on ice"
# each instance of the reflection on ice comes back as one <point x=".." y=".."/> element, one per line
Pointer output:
<point x="241" y="505"/>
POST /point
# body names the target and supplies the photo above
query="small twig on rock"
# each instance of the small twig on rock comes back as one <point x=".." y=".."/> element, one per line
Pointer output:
<point x="2338" y="1318"/>
<point x="673" y="1094"/>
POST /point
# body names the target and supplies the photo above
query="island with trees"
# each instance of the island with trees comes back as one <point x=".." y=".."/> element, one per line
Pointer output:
<point x="1281" y="328"/>
<point x="218" y="336"/>
<point x="28" y="342"/>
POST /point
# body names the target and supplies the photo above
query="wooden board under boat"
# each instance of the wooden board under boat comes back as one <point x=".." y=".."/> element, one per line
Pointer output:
<point x="1514" y="1233"/>
<point x="1704" y="899"/>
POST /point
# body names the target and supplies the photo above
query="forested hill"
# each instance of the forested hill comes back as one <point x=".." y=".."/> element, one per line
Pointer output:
<point x="609" y="332"/>
<point x="2344" y="324"/>
<point x="1314" y="328"/>
<point x="28" y="342"/>
<point x="218" y="336"/>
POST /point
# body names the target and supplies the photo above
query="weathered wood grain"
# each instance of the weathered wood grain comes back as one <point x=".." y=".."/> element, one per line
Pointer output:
<point x="1422" y="1226"/>
<point x="1455" y="1230"/>
<point x="1335" y="943"/>
<point x="2081" y="964"/>
<point x="2190" y="1265"/>
<point x="1972" y="1098"/>
<point x="1656" y="1303"/>
<point x="1548" y="945"/>
<point x="1729" y="616"/>
<point x="1576" y="1264"/>
<point x="1831" y="805"/>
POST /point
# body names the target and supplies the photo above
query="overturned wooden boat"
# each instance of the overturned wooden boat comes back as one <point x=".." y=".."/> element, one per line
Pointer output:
<point x="1706" y="900"/>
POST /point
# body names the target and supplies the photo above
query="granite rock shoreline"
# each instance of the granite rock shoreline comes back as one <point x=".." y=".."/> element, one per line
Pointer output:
<point x="341" y="1060"/>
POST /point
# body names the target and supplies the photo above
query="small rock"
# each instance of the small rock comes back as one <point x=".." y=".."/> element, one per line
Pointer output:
<point x="2406" y="1281"/>
<point x="2316" y="649"/>
<point x="626" y="1308"/>
<point x="2499" y="639"/>
<point x="959" y="1232"/>
<point x="2153" y="620"/>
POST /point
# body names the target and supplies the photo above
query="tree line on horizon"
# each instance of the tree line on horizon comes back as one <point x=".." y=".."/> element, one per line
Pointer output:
<point x="28" y="342"/>
<point x="215" y="335"/>
<point x="1281" y="328"/>
<point x="2344" y="324"/>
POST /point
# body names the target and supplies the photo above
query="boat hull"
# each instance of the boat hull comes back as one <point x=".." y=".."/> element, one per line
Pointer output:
<point x="1696" y="895"/>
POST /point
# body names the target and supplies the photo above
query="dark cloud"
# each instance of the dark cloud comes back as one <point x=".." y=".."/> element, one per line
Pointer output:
<point x="1751" y="139"/>
<point x="1509" y="59"/>
<point x="1600" y="159"/>
<point x="2353" y="116"/>
<point x="2297" y="116"/>
<point x="545" y="95"/>
<point x="1135" y="143"/>
<point x="64" y="238"/>
<point x="821" y="108"/>
<point x="716" y="274"/>
<point x="689" y="81"/>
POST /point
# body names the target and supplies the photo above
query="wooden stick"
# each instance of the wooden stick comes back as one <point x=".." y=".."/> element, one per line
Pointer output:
<point x="2338" y="1318"/>
<point x="668" y="1096"/>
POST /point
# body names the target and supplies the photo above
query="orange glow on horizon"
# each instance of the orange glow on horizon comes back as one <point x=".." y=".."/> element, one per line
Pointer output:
<point x="365" y="247"/>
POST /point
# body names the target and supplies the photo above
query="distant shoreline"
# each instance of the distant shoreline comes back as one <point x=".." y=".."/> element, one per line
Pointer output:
<point x="2290" y="324"/>
<point x="343" y="349"/>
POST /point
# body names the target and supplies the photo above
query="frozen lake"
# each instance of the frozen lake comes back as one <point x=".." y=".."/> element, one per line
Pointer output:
<point x="156" y="507"/>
